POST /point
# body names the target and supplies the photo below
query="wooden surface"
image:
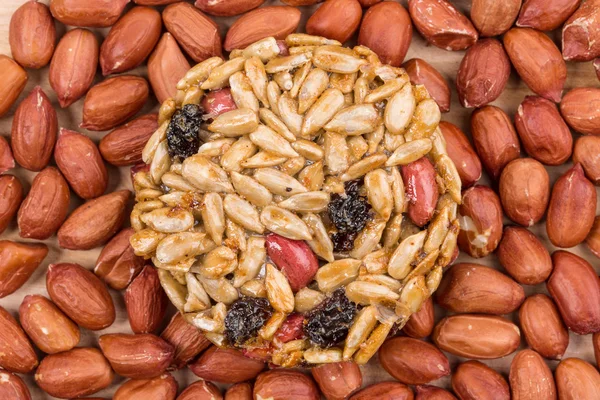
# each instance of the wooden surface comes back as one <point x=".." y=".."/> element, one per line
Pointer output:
<point x="444" y="61"/>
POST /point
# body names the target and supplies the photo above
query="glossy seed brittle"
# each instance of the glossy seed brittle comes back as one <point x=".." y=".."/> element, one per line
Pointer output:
<point x="291" y="203"/>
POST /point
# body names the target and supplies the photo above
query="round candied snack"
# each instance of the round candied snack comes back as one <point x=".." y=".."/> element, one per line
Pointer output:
<point x="298" y="201"/>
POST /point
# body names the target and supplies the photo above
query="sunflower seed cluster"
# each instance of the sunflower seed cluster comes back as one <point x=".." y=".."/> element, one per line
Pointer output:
<point x="305" y="124"/>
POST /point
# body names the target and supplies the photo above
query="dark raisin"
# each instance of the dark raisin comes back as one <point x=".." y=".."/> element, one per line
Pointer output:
<point x="245" y="317"/>
<point x="182" y="134"/>
<point x="349" y="212"/>
<point x="343" y="241"/>
<point x="328" y="324"/>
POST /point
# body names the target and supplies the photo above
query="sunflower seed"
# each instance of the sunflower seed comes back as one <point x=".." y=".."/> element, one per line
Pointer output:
<point x="307" y="299"/>
<point x="269" y="118"/>
<point x="326" y="106"/>
<point x="135" y="221"/>
<point x="198" y="73"/>
<point x="299" y="78"/>
<point x="142" y="180"/>
<point x="377" y="261"/>
<point x="405" y="254"/>
<point x="316" y="355"/>
<point x="448" y="171"/>
<point x="306" y="202"/>
<point x="368" y="239"/>
<point x="337" y="59"/>
<point x="206" y="175"/>
<point x="364" y="166"/>
<point x="253" y="191"/>
<point x="278" y="183"/>
<point x="439" y="144"/>
<point x="321" y="244"/>
<point x="235" y="123"/>
<point x="219" y="75"/>
<point x="433" y="279"/>
<point x="383" y="280"/>
<point x="179" y="266"/>
<point x="272" y="325"/>
<point x="197" y="299"/>
<point x="213" y="217"/>
<point x="448" y="246"/>
<point x="379" y="192"/>
<point x="176" y="182"/>
<point x="437" y="230"/>
<point x="268" y="140"/>
<point x="315" y="83"/>
<point x="265" y="49"/>
<point x="399" y="110"/>
<point x="386" y="90"/>
<point x="392" y="142"/>
<point x="218" y="263"/>
<point x="273" y="95"/>
<point x="409" y="152"/>
<point x="292" y="166"/>
<point x="358" y="147"/>
<point x="355" y="120"/>
<point x="160" y="162"/>
<point x="337" y="274"/>
<point x="236" y="236"/>
<point x="336" y="153"/>
<point x="343" y="82"/>
<point x="312" y="176"/>
<point x="242" y="213"/>
<point x="361" y="89"/>
<point x="426" y="118"/>
<point x="308" y="149"/>
<point x="288" y="111"/>
<point x="284" y="80"/>
<point x="424" y="266"/>
<point x="242" y="92"/>
<point x="257" y="76"/>
<point x="374" y="342"/>
<point x="191" y="200"/>
<point x="239" y="152"/>
<point x="212" y="320"/>
<point x="215" y="148"/>
<point x="287" y="63"/>
<point x="393" y="230"/>
<point x="414" y="293"/>
<point x="374" y="138"/>
<point x="145" y="241"/>
<point x="180" y="246"/>
<point x="251" y="261"/>
<point x="363" y="325"/>
<point x="279" y="291"/>
<point x="301" y="49"/>
<point x="400" y="202"/>
<point x="220" y="290"/>
<point x="302" y="39"/>
<point x="192" y="96"/>
<point x="168" y="220"/>
<point x="175" y="291"/>
<point x="263" y="159"/>
<point x="254" y="288"/>
<point x="284" y="223"/>
<point x="166" y="111"/>
<point x="368" y="293"/>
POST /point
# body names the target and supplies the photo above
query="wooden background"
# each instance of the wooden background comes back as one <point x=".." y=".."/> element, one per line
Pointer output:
<point x="446" y="62"/>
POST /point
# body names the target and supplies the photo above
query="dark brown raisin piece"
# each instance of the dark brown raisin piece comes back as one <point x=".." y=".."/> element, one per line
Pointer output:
<point x="328" y="324"/>
<point x="182" y="134"/>
<point x="245" y="317"/>
<point x="349" y="212"/>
